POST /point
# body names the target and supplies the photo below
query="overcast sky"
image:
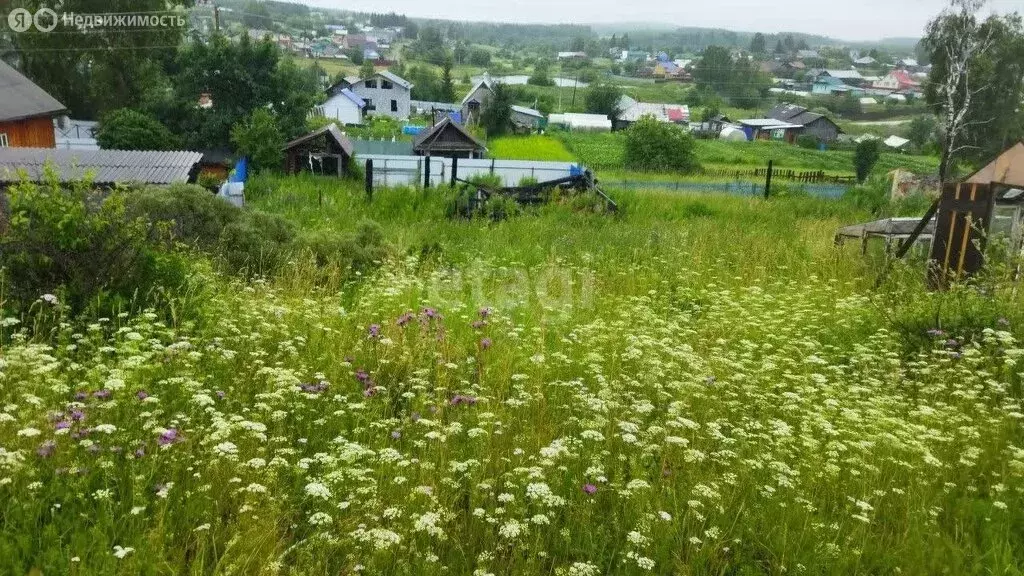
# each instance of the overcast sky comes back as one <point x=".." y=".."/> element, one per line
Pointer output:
<point x="843" y="19"/>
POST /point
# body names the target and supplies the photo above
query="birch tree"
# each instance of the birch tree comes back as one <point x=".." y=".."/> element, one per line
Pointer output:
<point x="956" y="42"/>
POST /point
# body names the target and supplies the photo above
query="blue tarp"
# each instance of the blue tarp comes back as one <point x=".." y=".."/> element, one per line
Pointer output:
<point x="241" y="171"/>
<point x="413" y="130"/>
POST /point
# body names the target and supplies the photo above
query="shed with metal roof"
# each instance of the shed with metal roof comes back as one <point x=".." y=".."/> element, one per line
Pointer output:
<point x="101" y="167"/>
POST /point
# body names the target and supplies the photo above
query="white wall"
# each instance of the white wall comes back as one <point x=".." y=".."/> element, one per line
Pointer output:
<point x="408" y="170"/>
<point x="340" y="108"/>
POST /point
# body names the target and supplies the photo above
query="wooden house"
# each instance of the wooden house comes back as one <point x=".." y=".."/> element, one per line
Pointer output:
<point x="449" y="139"/>
<point x="26" y="112"/>
<point x="323" y="151"/>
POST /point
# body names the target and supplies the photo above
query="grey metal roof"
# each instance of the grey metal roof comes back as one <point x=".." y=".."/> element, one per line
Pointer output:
<point x="103" y="166"/>
<point x="426" y="139"/>
<point x="21" y="99"/>
<point x="396" y="79"/>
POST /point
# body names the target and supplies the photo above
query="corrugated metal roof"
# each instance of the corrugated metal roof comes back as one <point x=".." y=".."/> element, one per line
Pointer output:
<point x="353" y="97"/>
<point x="426" y="138"/>
<point x="21" y="99"/>
<point x="103" y="166"/>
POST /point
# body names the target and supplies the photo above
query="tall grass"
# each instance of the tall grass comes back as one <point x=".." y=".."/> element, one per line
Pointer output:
<point x="698" y="384"/>
<point x="534" y="147"/>
<point x="605" y="151"/>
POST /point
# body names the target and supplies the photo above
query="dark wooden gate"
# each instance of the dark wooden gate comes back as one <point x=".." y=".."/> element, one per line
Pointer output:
<point x="961" y="229"/>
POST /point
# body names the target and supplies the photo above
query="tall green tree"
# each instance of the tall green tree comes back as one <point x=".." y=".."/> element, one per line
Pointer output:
<point x="758" y="44"/>
<point x="259" y="138"/>
<point x="128" y="129"/>
<point x="603" y="98"/>
<point x="496" y="117"/>
<point x="865" y="157"/>
<point x="97" y="70"/>
<point x="447" y="83"/>
<point x="977" y="82"/>
<point x="654" y="145"/>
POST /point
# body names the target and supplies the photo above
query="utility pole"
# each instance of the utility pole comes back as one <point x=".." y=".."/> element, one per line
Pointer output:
<point x="216" y="18"/>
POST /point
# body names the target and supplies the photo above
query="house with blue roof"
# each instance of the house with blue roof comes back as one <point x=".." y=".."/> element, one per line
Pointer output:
<point x="343" y="105"/>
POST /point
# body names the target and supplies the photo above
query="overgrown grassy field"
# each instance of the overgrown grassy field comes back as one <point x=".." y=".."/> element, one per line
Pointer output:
<point x="605" y="151"/>
<point x="695" y="385"/>
<point x="534" y="147"/>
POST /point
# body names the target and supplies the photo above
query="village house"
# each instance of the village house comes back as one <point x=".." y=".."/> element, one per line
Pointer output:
<point x="897" y="81"/>
<point x="848" y="77"/>
<point x="384" y="93"/>
<point x="865" y="61"/>
<point x="572" y="56"/>
<point x="474" y="102"/>
<point x="810" y="123"/>
<point x="27" y="112"/>
<point x="631" y="110"/>
<point x="342" y="105"/>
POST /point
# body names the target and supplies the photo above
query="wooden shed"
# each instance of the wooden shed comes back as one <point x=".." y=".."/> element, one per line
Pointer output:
<point x="26" y="112"/>
<point x="324" y="151"/>
<point x="449" y="139"/>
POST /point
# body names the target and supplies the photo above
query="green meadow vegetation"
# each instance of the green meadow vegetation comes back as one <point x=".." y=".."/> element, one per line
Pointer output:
<point x="533" y="147"/>
<point x="694" y="384"/>
<point x="606" y="151"/>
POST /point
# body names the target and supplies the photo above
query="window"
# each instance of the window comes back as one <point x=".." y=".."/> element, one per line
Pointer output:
<point x="394" y="105"/>
<point x="369" y="104"/>
<point x="3" y="140"/>
<point x="371" y="83"/>
<point x="386" y="84"/>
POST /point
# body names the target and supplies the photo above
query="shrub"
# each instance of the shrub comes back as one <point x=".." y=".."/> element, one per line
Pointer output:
<point x="808" y="141"/>
<point x="81" y="245"/>
<point x="259" y="138"/>
<point x="654" y="145"/>
<point x="361" y="251"/>
<point x="865" y="157"/>
<point x="256" y="244"/>
<point x="191" y="214"/>
<point x="127" y="129"/>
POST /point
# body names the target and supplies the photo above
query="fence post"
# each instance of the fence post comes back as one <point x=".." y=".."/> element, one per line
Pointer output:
<point x="768" y="181"/>
<point x="455" y="170"/>
<point x="492" y="166"/>
<point x="426" y="171"/>
<point x="369" y="180"/>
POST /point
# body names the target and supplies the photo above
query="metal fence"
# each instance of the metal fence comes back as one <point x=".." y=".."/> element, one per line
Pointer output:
<point x="410" y="170"/>
<point x="735" y="187"/>
<point x="381" y="147"/>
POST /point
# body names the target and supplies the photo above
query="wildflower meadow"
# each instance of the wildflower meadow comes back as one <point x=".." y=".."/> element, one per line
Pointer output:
<point x="695" y="385"/>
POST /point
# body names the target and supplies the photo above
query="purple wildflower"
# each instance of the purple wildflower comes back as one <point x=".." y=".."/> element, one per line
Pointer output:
<point x="952" y="343"/>
<point x="77" y="415"/>
<point x="94" y="449"/>
<point x="462" y="399"/>
<point x="168" y="436"/>
<point x="374" y="330"/>
<point x="485" y="343"/>
<point x="62" y="425"/>
<point x="395" y="434"/>
<point x="81" y="395"/>
<point x="589" y="488"/>
<point x="478" y="324"/>
<point x="935" y="332"/>
<point x="404" y="319"/>
<point x="430" y="313"/>
<point x="46" y="448"/>
<point x="314" y="388"/>
<point x="485" y="312"/>
<point x="140" y="452"/>
<point x="101" y="394"/>
<point x="221" y="394"/>
<point x="370" y="391"/>
<point x="142" y="395"/>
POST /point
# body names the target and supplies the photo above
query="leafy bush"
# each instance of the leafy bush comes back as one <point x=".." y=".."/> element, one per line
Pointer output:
<point x="361" y="251"/>
<point x="81" y="245"/>
<point x="865" y="157"/>
<point x="256" y="244"/>
<point x="654" y="145"/>
<point x="808" y="141"/>
<point x="190" y="214"/>
<point x="259" y="138"/>
<point x="127" y="129"/>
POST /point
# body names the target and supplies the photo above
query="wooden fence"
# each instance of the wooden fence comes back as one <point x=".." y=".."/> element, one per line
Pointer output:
<point x="803" y="177"/>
